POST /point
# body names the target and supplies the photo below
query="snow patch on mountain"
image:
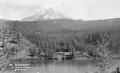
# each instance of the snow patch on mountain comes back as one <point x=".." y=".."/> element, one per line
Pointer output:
<point x="46" y="14"/>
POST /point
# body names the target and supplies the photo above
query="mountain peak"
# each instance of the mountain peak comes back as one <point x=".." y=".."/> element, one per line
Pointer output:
<point x="45" y="14"/>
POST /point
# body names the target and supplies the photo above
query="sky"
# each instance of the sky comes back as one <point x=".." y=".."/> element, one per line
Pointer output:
<point x="77" y="9"/>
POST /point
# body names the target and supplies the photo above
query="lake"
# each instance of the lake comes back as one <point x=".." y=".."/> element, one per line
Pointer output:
<point x="82" y="66"/>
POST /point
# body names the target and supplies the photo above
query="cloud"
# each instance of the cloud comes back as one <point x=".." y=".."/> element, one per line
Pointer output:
<point x="17" y="9"/>
<point x="17" y="12"/>
<point x="32" y="2"/>
<point x="19" y="2"/>
<point x="82" y="9"/>
<point x="52" y="3"/>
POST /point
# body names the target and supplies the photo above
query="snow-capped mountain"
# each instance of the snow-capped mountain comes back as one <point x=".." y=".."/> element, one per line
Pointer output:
<point x="46" y="14"/>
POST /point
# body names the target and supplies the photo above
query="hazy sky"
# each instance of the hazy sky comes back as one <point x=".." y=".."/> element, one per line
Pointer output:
<point x="78" y="9"/>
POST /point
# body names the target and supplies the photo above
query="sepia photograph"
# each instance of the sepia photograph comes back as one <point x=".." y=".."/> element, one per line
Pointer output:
<point x="59" y="36"/>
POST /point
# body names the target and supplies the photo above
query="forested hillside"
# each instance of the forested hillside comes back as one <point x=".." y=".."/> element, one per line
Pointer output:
<point x="52" y="36"/>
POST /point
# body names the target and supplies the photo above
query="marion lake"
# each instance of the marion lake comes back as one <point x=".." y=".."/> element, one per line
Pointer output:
<point x="69" y="66"/>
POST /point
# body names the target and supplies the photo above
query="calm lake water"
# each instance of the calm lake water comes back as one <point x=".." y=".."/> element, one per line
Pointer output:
<point x="62" y="66"/>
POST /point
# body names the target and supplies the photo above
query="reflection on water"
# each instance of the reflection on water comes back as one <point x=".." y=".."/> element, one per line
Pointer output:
<point x="63" y="66"/>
